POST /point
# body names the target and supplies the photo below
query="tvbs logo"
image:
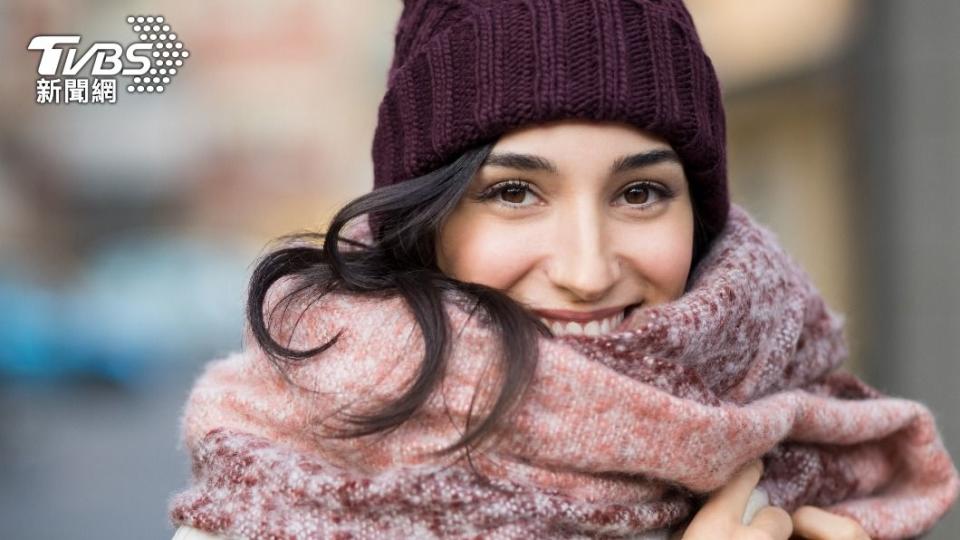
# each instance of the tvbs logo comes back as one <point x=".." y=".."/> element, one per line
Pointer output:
<point x="106" y="56"/>
<point x="152" y="62"/>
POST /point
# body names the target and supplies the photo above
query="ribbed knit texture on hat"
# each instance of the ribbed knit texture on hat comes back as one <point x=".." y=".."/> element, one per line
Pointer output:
<point x="466" y="71"/>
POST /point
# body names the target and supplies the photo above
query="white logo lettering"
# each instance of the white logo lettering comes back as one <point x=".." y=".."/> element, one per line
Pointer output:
<point x="50" y="58"/>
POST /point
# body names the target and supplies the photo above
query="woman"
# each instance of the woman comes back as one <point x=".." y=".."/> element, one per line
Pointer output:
<point x="550" y="243"/>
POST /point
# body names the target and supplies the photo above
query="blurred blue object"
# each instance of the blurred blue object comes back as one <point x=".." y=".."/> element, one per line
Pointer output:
<point x="142" y="304"/>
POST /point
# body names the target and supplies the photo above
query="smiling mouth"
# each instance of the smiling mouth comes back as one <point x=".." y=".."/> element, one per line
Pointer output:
<point x="563" y="326"/>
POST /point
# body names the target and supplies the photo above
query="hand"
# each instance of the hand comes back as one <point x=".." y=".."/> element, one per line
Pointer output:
<point x="722" y="514"/>
<point x="816" y="524"/>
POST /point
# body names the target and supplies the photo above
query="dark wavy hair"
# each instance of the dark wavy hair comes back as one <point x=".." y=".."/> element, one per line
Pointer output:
<point x="402" y="261"/>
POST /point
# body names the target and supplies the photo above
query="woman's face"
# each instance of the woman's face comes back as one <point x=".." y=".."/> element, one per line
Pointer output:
<point x="579" y="220"/>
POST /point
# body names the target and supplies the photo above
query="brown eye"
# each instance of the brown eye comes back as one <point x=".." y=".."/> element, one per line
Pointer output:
<point x="513" y="194"/>
<point x="645" y="195"/>
<point x="638" y="194"/>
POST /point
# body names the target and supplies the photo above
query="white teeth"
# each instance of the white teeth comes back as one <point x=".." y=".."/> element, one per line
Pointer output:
<point x="591" y="328"/>
<point x="574" y="328"/>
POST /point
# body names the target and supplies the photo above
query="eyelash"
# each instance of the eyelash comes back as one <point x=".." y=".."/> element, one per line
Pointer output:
<point x="495" y="190"/>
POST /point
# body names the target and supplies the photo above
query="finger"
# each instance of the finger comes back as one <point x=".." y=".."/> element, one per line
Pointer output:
<point x="731" y="499"/>
<point x="817" y="524"/>
<point x="775" y="521"/>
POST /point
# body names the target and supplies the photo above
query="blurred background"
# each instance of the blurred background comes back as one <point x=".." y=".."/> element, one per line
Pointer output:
<point x="128" y="231"/>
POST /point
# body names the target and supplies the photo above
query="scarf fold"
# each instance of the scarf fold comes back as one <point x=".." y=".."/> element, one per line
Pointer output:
<point x="619" y="435"/>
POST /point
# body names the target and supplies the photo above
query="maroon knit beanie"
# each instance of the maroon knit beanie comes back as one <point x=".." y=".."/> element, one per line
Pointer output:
<point x="466" y="71"/>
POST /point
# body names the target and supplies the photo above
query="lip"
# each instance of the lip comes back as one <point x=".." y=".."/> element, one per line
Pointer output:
<point x="582" y="316"/>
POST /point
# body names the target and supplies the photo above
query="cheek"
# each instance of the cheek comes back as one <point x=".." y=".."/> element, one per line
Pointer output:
<point x="485" y="252"/>
<point x="662" y="259"/>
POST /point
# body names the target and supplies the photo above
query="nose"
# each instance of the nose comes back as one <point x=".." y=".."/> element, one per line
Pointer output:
<point x="584" y="260"/>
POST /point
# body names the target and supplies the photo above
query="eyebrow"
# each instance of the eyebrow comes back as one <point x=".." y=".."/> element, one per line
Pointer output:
<point x="531" y="162"/>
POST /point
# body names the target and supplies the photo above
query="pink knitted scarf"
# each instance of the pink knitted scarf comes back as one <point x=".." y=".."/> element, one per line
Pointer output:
<point x="618" y="435"/>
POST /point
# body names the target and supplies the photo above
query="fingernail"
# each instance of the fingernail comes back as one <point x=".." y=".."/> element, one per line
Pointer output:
<point x="758" y="499"/>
